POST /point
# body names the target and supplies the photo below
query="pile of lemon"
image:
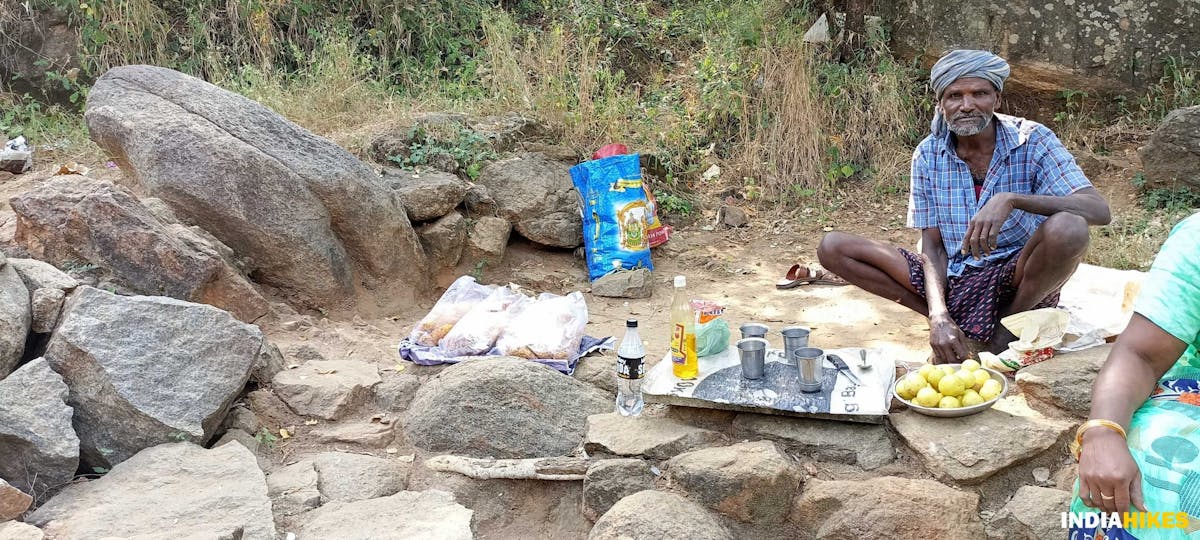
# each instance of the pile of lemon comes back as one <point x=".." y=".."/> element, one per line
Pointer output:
<point x="948" y="387"/>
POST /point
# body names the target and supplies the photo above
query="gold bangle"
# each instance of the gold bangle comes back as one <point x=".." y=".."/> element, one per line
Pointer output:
<point x="1077" y="445"/>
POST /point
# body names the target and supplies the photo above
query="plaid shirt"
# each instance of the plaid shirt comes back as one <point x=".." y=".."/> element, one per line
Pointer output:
<point x="1029" y="159"/>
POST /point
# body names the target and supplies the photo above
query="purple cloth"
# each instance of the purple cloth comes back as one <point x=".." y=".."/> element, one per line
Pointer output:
<point x="974" y="299"/>
<point x="432" y="356"/>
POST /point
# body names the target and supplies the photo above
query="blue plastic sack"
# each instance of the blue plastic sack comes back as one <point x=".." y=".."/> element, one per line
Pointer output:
<point x="615" y="213"/>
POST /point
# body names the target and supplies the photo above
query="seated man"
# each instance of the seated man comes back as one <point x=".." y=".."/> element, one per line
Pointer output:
<point x="1003" y="210"/>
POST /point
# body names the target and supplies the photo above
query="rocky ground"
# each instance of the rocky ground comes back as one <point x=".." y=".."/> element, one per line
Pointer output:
<point x="289" y="410"/>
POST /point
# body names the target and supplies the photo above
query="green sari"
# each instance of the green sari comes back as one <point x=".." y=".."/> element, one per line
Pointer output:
<point x="1164" y="433"/>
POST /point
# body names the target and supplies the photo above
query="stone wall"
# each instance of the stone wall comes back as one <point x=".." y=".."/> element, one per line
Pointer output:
<point x="1090" y="45"/>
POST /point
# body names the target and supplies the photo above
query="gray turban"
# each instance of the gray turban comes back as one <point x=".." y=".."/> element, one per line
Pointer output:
<point x="964" y="63"/>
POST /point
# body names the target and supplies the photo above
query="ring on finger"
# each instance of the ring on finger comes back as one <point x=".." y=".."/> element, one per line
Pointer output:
<point x="1107" y="497"/>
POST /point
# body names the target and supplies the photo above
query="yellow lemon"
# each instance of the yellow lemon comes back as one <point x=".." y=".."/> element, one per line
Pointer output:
<point x="990" y="390"/>
<point x="948" y="369"/>
<point x="981" y="376"/>
<point x="934" y="376"/>
<point x="970" y="397"/>
<point x="926" y="370"/>
<point x="949" y="402"/>
<point x="967" y="377"/>
<point x="951" y="385"/>
<point x="970" y="365"/>
<point x="927" y="397"/>
<point x="904" y="390"/>
<point x="916" y="381"/>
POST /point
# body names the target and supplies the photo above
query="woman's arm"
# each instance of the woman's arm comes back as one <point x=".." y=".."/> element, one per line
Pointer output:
<point x="1141" y="356"/>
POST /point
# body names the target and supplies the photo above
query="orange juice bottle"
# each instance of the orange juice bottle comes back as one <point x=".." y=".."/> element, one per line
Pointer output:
<point x="683" y="333"/>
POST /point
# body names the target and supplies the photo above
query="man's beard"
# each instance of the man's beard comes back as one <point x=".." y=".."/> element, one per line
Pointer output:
<point x="971" y="128"/>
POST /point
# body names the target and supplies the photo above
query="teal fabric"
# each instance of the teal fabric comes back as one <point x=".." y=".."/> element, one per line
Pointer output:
<point x="1164" y="434"/>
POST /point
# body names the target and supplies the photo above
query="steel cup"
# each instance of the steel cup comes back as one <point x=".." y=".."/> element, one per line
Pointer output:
<point x="794" y="338"/>
<point x="754" y="330"/>
<point x="753" y="353"/>
<point x="809" y="362"/>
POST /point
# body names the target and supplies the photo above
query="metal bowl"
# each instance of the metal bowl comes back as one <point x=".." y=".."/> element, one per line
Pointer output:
<point x="961" y="411"/>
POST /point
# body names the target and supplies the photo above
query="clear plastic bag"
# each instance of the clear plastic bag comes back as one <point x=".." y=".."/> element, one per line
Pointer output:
<point x="549" y="328"/>
<point x="477" y="331"/>
<point x="462" y="295"/>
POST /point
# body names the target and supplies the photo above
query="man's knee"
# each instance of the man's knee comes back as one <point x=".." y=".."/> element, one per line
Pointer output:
<point x="1066" y="233"/>
<point x="833" y="248"/>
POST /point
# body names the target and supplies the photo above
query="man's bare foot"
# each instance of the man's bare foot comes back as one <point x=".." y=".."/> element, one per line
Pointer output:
<point x="1001" y="337"/>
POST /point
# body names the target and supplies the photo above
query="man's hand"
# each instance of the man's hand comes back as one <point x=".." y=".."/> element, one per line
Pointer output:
<point x="1109" y="479"/>
<point x="983" y="232"/>
<point x="948" y="342"/>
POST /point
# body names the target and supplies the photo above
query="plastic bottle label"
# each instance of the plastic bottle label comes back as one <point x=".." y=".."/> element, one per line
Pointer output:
<point x="678" y="355"/>
<point x="630" y="368"/>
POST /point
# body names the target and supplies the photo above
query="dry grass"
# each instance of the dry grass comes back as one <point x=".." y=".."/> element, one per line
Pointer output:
<point x="786" y="146"/>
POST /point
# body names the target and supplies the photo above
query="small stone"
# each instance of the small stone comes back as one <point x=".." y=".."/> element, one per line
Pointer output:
<point x="650" y="437"/>
<point x="326" y="389"/>
<point x="750" y="482"/>
<point x="15" y="530"/>
<point x="43" y="275"/>
<point x="403" y="516"/>
<point x="352" y="477"/>
<point x="658" y="514"/>
<point x="293" y="489"/>
<point x="240" y="417"/>
<point x="46" y="306"/>
<point x="733" y="217"/>
<point x="487" y="240"/>
<point x="1041" y="475"/>
<point x="370" y="435"/>
<point x="240" y="437"/>
<point x="610" y="480"/>
<point x="13" y="502"/>
<point x="637" y="283"/>
<point x="1033" y="512"/>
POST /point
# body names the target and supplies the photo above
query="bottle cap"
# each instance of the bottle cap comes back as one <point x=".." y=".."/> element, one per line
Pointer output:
<point x="631" y="323"/>
<point x="680" y="281"/>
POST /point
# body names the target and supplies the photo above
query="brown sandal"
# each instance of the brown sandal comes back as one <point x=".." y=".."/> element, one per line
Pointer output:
<point x="804" y="275"/>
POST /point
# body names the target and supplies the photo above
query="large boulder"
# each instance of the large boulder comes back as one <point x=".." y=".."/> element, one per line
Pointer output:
<point x="750" y="482"/>
<point x="73" y="219"/>
<point x="658" y="514"/>
<point x="427" y="194"/>
<point x="15" y="318"/>
<point x="1088" y="46"/>
<point x="175" y="490"/>
<point x="535" y="194"/>
<point x="1064" y="382"/>
<point x="503" y="408"/>
<point x="313" y="220"/>
<point x="40" y="275"/>
<point x="970" y="449"/>
<point x="906" y="509"/>
<point x="148" y="370"/>
<point x="405" y="515"/>
<point x="40" y="449"/>
<point x="1173" y="155"/>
